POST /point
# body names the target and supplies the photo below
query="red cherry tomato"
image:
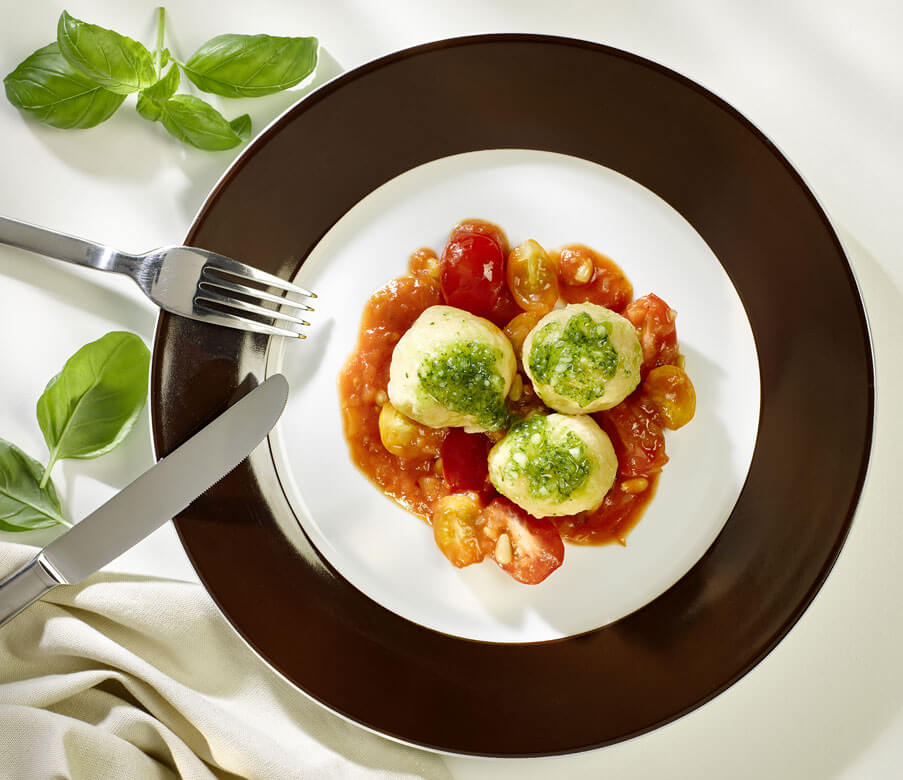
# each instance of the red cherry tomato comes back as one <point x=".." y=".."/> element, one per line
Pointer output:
<point x="636" y="435"/>
<point x="654" y="321"/>
<point x="464" y="460"/>
<point x="472" y="272"/>
<point x="526" y="547"/>
<point x="484" y="228"/>
<point x="505" y="308"/>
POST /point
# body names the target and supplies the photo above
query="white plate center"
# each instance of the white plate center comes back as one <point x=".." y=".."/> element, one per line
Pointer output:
<point x="389" y="554"/>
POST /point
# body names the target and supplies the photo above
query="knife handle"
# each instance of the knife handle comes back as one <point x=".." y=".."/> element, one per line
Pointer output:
<point x="25" y="586"/>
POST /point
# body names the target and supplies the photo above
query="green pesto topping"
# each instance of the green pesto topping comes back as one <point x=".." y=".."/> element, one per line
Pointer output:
<point x="575" y="361"/>
<point x="554" y="469"/>
<point x="464" y="378"/>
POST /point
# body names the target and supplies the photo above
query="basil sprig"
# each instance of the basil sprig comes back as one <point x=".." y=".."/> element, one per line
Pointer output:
<point x="85" y="411"/>
<point x="81" y="80"/>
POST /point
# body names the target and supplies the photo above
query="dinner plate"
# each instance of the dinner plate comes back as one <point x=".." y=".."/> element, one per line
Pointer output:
<point x="335" y="588"/>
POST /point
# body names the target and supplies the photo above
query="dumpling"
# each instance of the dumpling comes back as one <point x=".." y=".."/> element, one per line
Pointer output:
<point x="553" y="465"/>
<point x="452" y="368"/>
<point x="583" y="358"/>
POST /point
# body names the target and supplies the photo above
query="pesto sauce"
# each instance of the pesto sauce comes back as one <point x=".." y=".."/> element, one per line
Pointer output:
<point x="575" y="361"/>
<point x="464" y="378"/>
<point x="553" y="469"/>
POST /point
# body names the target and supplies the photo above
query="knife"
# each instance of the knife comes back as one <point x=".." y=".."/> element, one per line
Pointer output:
<point x="160" y="493"/>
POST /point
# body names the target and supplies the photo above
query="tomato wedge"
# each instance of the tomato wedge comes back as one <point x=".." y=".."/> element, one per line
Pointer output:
<point x="654" y="321"/>
<point x="637" y="436"/>
<point x="526" y="547"/>
<point x="472" y="272"/>
<point x="464" y="461"/>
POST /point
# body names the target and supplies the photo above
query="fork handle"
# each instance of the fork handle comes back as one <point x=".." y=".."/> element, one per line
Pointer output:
<point x="64" y="247"/>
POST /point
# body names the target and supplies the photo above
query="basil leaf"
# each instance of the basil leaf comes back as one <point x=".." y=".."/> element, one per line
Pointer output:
<point x="24" y="504"/>
<point x="251" y="65"/>
<point x="90" y="406"/>
<point x="47" y="88"/>
<point x="242" y="126"/>
<point x="114" y="61"/>
<point x="150" y="99"/>
<point x="199" y="124"/>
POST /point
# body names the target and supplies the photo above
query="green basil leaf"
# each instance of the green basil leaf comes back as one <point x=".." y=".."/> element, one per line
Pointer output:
<point x="251" y="65"/>
<point x="150" y="100"/>
<point x="197" y="123"/>
<point x="242" y="126"/>
<point x="24" y="504"/>
<point x="90" y="406"/>
<point x="47" y="88"/>
<point x="114" y="61"/>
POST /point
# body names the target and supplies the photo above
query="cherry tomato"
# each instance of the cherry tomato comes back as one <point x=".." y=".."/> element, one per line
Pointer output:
<point x="532" y="277"/>
<point x="464" y="460"/>
<point x="472" y="272"/>
<point x="670" y="391"/>
<point x="608" y="286"/>
<point x="654" y="321"/>
<point x="404" y="437"/>
<point x="636" y="435"/>
<point x="575" y="268"/>
<point x="505" y="308"/>
<point x="526" y="547"/>
<point x="483" y="228"/>
<point x="455" y="520"/>
<point x="518" y="328"/>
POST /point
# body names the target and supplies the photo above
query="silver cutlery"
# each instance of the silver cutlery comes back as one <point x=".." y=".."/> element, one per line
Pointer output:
<point x="160" y="493"/>
<point x="184" y="280"/>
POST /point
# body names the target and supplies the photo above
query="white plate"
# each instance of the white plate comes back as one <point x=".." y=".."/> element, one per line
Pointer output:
<point x="390" y="554"/>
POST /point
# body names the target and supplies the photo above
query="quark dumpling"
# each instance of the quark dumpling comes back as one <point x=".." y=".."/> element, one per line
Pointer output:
<point x="583" y="358"/>
<point x="553" y="465"/>
<point x="452" y="368"/>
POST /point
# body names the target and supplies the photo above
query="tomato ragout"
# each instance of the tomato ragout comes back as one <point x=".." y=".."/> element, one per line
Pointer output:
<point x="441" y="473"/>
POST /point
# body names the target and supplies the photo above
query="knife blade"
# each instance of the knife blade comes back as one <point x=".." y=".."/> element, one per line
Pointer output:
<point x="160" y="493"/>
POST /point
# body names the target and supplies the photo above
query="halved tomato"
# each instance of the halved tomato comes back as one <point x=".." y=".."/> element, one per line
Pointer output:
<point x="455" y="519"/>
<point x="526" y="547"/>
<point x="464" y="460"/>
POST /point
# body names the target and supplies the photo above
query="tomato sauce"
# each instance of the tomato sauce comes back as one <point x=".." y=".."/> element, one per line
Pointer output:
<point x="414" y="482"/>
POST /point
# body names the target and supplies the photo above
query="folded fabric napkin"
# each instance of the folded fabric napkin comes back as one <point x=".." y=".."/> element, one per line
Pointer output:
<point x="140" y="677"/>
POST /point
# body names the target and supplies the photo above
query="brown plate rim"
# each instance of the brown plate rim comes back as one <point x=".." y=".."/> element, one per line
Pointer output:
<point x="166" y="436"/>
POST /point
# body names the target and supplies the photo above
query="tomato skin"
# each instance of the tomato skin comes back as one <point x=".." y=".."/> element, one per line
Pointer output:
<point x="655" y="324"/>
<point x="532" y="277"/>
<point x="531" y="548"/>
<point x="484" y="228"/>
<point x="504" y="309"/>
<point x="608" y="287"/>
<point x="636" y="434"/>
<point x="472" y="273"/>
<point x="464" y="460"/>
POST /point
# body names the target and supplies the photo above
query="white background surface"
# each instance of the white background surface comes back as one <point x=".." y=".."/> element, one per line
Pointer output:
<point x="824" y="80"/>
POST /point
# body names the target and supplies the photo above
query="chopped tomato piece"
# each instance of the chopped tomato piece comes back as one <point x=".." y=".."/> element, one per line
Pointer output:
<point x="608" y="285"/>
<point x="464" y="460"/>
<point x="654" y="321"/>
<point x="472" y="273"/>
<point x="455" y="520"/>
<point x="526" y="547"/>
<point x="532" y="277"/>
<point x="636" y="435"/>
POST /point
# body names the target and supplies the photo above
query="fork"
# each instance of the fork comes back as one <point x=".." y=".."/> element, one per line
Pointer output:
<point x="184" y="280"/>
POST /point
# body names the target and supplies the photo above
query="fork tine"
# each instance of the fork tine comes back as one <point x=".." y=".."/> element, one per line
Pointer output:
<point x="246" y="272"/>
<point x="219" y="317"/>
<point x="251" y="292"/>
<point x="250" y="308"/>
